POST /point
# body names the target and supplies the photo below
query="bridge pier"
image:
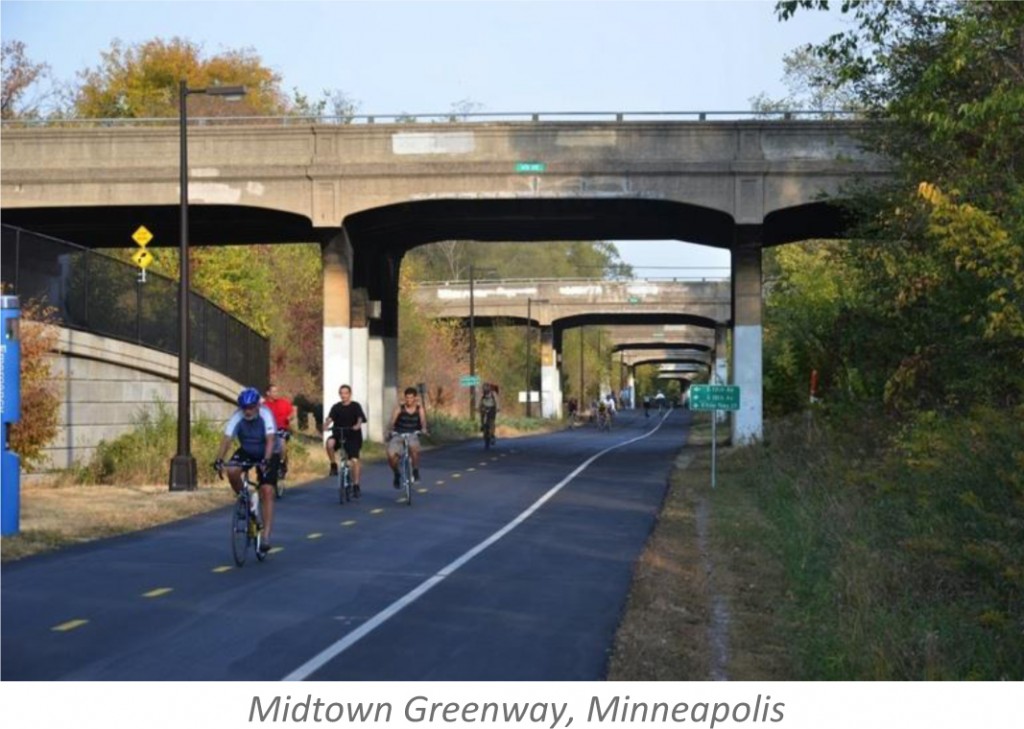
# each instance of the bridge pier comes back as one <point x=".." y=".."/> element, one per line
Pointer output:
<point x="336" y="257"/>
<point x="550" y="380"/>
<point x="747" y="339"/>
<point x="382" y="395"/>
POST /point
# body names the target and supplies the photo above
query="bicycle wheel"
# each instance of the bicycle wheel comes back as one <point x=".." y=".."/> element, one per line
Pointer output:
<point x="407" y="479"/>
<point x="240" y="529"/>
<point x="344" y="483"/>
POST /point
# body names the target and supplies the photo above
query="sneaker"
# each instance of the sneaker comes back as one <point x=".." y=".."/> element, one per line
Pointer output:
<point x="264" y="546"/>
<point x="397" y="482"/>
<point x="355" y="491"/>
<point x="334" y="470"/>
<point x="415" y="474"/>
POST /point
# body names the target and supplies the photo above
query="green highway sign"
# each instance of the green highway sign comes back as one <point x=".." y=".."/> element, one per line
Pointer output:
<point x="522" y="167"/>
<point x="469" y="380"/>
<point x="714" y="397"/>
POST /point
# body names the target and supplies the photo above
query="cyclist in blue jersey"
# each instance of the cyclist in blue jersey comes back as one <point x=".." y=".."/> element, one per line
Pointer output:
<point x="254" y="427"/>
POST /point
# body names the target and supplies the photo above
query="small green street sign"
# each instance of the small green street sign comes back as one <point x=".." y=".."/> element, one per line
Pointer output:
<point x="634" y="299"/>
<point x="469" y="380"/>
<point x="527" y="167"/>
<point x="714" y="397"/>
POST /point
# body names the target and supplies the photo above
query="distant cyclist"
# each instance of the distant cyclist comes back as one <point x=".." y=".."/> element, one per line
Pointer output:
<point x="253" y="425"/>
<point x="346" y="423"/>
<point x="647" y="406"/>
<point x="408" y="417"/>
<point x="489" y="407"/>
<point x="281" y="408"/>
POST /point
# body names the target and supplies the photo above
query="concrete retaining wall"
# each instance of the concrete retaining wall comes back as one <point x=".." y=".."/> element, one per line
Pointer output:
<point x="107" y="383"/>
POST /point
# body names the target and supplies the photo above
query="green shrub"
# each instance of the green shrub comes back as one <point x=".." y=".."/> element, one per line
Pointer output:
<point x="143" y="455"/>
<point x="901" y="542"/>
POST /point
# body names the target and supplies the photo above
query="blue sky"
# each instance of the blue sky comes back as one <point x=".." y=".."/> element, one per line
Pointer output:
<point x="421" y="57"/>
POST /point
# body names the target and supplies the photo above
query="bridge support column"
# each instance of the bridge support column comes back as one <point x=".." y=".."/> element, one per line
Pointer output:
<point x="631" y="383"/>
<point x="550" y="382"/>
<point x="337" y="280"/>
<point x="383" y="385"/>
<point x="360" y="354"/>
<point x="747" y="339"/>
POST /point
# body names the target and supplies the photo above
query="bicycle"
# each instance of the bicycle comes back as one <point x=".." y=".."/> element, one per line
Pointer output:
<point x="604" y="420"/>
<point x="246" y="522"/>
<point x="344" y="474"/>
<point x="489" y="416"/>
<point x="405" y="467"/>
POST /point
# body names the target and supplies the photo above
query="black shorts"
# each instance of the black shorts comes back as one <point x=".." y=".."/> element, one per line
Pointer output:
<point x="353" y="442"/>
<point x="270" y="476"/>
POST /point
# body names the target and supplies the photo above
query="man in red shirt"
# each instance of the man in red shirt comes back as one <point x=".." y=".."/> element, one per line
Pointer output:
<point x="281" y="408"/>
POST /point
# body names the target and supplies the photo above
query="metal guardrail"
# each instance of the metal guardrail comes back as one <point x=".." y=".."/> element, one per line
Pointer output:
<point x="96" y="293"/>
<point x="405" y="118"/>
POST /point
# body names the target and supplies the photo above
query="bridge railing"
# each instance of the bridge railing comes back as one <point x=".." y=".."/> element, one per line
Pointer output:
<point x="406" y="118"/>
<point x="96" y="293"/>
<point x="723" y="275"/>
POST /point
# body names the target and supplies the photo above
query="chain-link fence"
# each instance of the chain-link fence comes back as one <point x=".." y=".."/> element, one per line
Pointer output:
<point x="99" y="294"/>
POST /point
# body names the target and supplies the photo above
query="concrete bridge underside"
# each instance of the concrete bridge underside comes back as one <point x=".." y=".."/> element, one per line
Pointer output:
<point x="370" y="193"/>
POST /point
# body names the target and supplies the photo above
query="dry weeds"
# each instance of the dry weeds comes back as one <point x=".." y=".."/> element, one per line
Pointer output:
<point x="702" y="605"/>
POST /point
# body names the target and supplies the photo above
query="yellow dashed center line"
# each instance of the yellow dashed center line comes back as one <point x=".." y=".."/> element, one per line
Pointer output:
<point x="158" y="592"/>
<point x="470" y="470"/>
<point x="482" y="463"/>
<point x="439" y="483"/>
<point x="69" y="625"/>
<point x="456" y="475"/>
<point x="275" y="550"/>
<point x="377" y="511"/>
<point x="348" y="523"/>
<point x="222" y="568"/>
<point x="400" y="500"/>
<point x="421" y="491"/>
<point x="314" y="535"/>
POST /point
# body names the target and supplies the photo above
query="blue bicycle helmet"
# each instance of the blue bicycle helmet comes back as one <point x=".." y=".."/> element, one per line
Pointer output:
<point x="248" y="397"/>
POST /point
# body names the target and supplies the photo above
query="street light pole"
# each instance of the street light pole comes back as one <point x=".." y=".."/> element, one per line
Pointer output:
<point x="472" y="349"/>
<point x="529" y="322"/>
<point x="529" y="301"/>
<point x="582" y="388"/>
<point x="183" y="465"/>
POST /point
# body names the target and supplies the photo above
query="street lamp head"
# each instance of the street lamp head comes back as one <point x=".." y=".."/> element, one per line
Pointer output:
<point x="230" y="93"/>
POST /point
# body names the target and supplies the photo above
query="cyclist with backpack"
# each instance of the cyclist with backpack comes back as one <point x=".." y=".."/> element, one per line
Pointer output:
<point x="489" y="407"/>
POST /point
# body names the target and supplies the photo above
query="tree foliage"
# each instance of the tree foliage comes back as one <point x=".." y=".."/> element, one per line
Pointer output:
<point x="450" y="260"/>
<point x="932" y="289"/>
<point x="141" y="81"/>
<point x="20" y="75"/>
<point x="40" y="389"/>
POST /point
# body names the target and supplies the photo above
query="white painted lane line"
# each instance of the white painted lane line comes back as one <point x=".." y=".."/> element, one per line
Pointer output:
<point x="69" y="625"/>
<point x="347" y="641"/>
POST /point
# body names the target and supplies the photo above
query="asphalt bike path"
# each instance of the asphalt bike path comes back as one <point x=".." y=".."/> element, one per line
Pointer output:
<point x="540" y="602"/>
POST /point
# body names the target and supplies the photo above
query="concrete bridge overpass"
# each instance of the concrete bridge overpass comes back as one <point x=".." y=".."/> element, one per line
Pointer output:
<point x="556" y="305"/>
<point x="369" y="193"/>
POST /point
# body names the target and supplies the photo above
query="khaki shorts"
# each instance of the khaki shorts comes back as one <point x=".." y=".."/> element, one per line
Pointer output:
<point x="395" y="444"/>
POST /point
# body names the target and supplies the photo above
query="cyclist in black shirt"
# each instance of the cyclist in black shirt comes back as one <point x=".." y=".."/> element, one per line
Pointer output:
<point x="408" y="417"/>
<point x="346" y="423"/>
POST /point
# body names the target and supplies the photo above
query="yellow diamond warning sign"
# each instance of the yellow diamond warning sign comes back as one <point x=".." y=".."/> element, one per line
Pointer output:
<point x="142" y="236"/>
<point x="142" y="258"/>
